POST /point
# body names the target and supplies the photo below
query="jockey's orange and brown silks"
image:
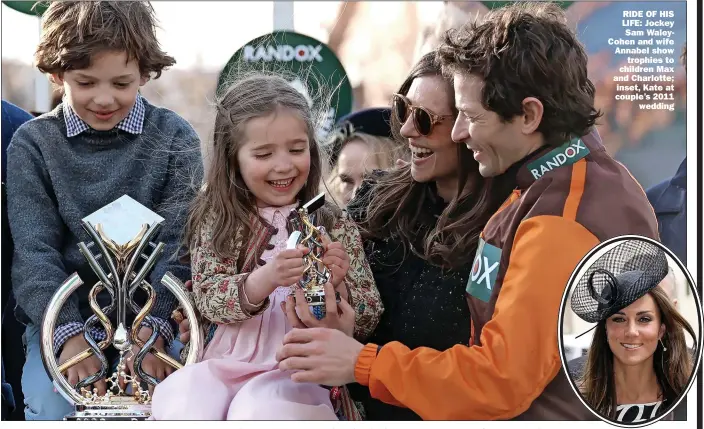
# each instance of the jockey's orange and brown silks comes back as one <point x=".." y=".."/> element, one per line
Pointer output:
<point x="568" y="199"/>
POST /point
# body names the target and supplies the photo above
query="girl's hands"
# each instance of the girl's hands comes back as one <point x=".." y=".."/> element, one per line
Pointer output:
<point x="337" y="260"/>
<point x="285" y="269"/>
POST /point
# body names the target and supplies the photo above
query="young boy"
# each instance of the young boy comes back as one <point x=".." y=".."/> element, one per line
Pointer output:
<point x="103" y="141"/>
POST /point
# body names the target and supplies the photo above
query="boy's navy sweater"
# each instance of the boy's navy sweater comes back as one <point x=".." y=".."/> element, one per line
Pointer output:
<point x="57" y="181"/>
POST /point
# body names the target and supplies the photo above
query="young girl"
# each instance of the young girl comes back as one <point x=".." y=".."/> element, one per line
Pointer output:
<point x="265" y="163"/>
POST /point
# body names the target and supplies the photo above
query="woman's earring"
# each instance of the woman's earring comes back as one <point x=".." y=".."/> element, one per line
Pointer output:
<point x="663" y="345"/>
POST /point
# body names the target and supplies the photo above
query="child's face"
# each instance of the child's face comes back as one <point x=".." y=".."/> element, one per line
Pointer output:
<point x="104" y="93"/>
<point x="275" y="160"/>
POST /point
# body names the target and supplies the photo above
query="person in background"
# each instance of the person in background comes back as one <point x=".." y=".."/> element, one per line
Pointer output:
<point x="12" y="118"/>
<point x="360" y="143"/>
<point x="669" y="200"/>
<point x="103" y="141"/>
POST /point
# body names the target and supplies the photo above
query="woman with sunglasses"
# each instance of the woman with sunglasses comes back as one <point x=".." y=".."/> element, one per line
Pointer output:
<point x="420" y="223"/>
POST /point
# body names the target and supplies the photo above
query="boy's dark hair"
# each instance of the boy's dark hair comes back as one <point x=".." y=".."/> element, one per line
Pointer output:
<point x="74" y="31"/>
<point x="526" y="50"/>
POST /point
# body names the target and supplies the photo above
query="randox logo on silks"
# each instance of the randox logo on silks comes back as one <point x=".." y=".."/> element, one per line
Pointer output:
<point x="485" y="267"/>
<point x="567" y="154"/>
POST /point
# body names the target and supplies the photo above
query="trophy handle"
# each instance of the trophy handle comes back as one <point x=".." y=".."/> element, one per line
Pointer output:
<point x="58" y="300"/>
<point x="94" y="348"/>
<point x="106" y="255"/>
<point x="142" y="244"/>
<point x="47" y="338"/>
<point x="176" y="287"/>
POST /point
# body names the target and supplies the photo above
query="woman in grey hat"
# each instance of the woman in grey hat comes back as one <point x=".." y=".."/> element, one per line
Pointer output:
<point x="638" y="364"/>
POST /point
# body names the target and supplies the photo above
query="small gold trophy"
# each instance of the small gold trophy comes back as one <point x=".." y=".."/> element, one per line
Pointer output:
<point x="315" y="274"/>
<point x="121" y="232"/>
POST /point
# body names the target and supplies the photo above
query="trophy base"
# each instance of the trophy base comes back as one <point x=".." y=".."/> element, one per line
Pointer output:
<point x="318" y="299"/>
<point x="318" y="311"/>
<point x="103" y="417"/>
<point x="110" y="413"/>
<point x="316" y="303"/>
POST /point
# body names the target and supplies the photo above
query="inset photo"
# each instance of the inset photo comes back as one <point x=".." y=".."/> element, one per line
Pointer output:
<point x="630" y="332"/>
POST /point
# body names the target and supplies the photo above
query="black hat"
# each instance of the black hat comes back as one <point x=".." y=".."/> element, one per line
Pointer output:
<point x="374" y="121"/>
<point x="618" y="278"/>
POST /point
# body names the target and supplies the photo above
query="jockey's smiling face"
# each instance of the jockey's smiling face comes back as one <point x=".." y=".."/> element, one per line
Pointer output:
<point x="495" y="143"/>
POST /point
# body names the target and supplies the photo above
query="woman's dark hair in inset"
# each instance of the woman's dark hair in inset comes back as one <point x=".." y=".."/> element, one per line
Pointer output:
<point x="673" y="367"/>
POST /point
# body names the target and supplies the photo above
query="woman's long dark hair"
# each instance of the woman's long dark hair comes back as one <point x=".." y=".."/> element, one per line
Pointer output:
<point x="673" y="367"/>
<point x="398" y="202"/>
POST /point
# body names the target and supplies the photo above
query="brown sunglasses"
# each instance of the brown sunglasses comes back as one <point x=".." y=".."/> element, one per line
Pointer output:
<point x="423" y="119"/>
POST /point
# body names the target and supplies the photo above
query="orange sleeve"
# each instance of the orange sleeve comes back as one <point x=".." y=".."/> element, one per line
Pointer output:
<point x="518" y="355"/>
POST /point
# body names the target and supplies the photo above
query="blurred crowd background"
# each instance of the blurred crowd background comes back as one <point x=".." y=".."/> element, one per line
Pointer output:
<point x="377" y="43"/>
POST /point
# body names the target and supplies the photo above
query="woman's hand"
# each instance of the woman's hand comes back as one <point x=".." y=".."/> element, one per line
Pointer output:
<point x="338" y="316"/>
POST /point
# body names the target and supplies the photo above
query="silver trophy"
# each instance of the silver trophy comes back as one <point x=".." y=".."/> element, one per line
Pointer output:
<point x="121" y="232"/>
<point x="315" y="273"/>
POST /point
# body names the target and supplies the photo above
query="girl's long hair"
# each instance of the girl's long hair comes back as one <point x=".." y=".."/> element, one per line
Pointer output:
<point x="224" y="195"/>
<point x="398" y="202"/>
<point x="673" y="367"/>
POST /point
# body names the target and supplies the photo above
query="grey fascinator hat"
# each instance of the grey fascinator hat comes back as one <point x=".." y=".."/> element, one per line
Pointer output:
<point x="618" y="278"/>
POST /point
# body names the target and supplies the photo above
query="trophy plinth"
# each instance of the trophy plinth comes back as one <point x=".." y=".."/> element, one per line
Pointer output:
<point x="121" y="408"/>
<point x="121" y="233"/>
<point x="315" y="274"/>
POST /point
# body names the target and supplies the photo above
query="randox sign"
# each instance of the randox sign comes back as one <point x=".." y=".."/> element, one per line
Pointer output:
<point x="28" y="6"/>
<point x="309" y="59"/>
